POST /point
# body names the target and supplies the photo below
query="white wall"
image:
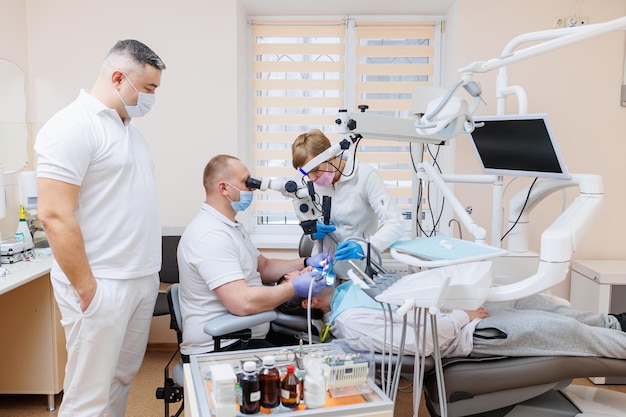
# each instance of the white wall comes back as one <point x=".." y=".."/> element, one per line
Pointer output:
<point x="13" y="27"/>
<point x="197" y="113"/>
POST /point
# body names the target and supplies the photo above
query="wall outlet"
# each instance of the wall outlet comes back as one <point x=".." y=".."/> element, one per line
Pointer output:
<point x="569" y="21"/>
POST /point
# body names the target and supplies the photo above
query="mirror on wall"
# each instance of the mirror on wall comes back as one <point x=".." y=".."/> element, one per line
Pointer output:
<point x="13" y="130"/>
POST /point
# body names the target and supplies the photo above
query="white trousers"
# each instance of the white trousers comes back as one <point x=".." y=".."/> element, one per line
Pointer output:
<point x="105" y="344"/>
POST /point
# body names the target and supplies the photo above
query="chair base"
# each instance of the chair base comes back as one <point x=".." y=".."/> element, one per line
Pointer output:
<point x="171" y="392"/>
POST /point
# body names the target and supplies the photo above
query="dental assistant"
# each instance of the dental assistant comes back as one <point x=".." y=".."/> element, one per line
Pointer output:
<point x="99" y="208"/>
<point x="361" y="206"/>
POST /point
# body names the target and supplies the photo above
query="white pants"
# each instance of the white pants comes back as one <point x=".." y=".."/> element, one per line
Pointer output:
<point x="105" y="344"/>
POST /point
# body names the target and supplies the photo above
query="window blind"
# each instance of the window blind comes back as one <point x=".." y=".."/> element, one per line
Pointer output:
<point x="304" y="71"/>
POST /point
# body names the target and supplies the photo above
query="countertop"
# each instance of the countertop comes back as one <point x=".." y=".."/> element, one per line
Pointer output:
<point x="23" y="272"/>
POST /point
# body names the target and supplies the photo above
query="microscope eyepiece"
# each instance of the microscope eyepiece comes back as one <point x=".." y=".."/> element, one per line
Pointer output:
<point x="253" y="183"/>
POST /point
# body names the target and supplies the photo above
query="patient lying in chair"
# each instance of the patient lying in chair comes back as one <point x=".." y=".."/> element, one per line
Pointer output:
<point x="540" y="325"/>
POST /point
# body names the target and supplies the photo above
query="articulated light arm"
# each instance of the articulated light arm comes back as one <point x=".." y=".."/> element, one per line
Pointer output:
<point x="447" y="116"/>
<point x="572" y="36"/>
<point x="553" y="39"/>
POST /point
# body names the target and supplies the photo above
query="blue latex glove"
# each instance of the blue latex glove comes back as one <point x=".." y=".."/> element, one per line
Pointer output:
<point x="301" y="284"/>
<point x="322" y="230"/>
<point x="320" y="260"/>
<point x="349" y="250"/>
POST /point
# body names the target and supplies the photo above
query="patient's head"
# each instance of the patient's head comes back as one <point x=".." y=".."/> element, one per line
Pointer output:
<point x="297" y="306"/>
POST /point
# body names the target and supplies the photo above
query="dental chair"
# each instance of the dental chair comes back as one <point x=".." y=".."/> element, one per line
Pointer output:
<point x="514" y="386"/>
<point x="525" y="386"/>
<point x="509" y="386"/>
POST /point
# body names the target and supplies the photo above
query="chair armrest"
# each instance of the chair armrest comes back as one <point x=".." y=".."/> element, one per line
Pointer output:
<point x="229" y="323"/>
<point x="293" y="322"/>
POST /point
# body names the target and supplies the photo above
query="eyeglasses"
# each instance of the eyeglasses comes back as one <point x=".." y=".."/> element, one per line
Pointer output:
<point x="317" y="169"/>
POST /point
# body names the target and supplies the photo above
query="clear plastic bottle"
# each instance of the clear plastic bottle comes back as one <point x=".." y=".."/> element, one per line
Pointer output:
<point x="250" y="389"/>
<point x="22" y="228"/>
<point x="314" y="384"/>
<point x="290" y="388"/>
<point x="270" y="383"/>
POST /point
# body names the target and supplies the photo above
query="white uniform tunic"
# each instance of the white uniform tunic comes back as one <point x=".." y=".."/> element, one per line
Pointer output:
<point x="88" y="145"/>
<point x="213" y="251"/>
<point x="361" y="207"/>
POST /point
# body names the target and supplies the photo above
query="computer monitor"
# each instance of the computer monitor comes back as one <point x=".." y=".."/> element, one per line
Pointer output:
<point x="521" y="144"/>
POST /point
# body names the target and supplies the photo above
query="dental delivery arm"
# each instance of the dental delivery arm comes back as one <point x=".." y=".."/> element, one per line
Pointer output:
<point x="558" y="242"/>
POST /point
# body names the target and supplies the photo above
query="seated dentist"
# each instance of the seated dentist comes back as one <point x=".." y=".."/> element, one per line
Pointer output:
<point x="539" y="325"/>
<point x="361" y="206"/>
<point x="220" y="269"/>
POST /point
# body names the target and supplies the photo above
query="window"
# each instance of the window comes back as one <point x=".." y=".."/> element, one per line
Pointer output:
<point x="305" y="71"/>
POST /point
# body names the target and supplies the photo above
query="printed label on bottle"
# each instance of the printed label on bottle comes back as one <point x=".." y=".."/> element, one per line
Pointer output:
<point x="255" y="396"/>
<point x="239" y="394"/>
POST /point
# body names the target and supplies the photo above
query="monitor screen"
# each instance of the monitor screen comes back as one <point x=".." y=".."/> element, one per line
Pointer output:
<point x="521" y="144"/>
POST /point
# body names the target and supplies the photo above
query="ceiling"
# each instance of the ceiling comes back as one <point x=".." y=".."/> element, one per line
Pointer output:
<point x="342" y="7"/>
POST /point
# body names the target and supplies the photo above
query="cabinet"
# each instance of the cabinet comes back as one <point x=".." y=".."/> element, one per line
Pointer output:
<point x="599" y="286"/>
<point x="32" y="346"/>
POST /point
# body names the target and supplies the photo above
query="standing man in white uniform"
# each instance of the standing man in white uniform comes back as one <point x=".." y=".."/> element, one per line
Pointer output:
<point x="98" y="205"/>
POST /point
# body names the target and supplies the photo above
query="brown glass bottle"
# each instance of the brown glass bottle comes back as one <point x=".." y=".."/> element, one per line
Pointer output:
<point x="250" y="389"/>
<point x="270" y="383"/>
<point x="290" y="388"/>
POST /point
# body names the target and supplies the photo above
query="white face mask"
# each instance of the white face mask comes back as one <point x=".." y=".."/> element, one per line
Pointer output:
<point x="144" y="102"/>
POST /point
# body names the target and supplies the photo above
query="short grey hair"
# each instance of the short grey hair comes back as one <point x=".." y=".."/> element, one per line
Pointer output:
<point x="128" y="52"/>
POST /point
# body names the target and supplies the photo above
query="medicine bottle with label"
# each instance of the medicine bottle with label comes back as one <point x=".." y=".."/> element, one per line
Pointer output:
<point x="270" y="383"/>
<point x="250" y="389"/>
<point x="290" y="388"/>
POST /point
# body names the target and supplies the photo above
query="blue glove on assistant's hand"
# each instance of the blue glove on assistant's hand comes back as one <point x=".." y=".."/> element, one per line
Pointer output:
<point x="320" y="260"/>
<point x="349" y="250"/>
<point x="322" y="230"/>
<point x="302" y="283"/>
